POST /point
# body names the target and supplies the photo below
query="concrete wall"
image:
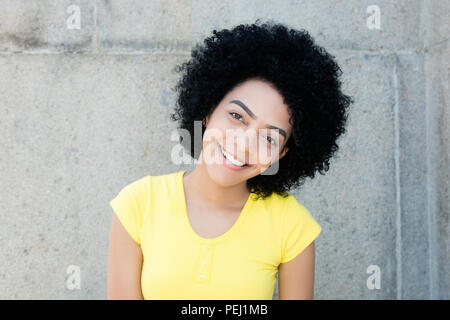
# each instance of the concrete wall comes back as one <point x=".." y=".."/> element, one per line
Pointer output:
<point x="83" y="112"/>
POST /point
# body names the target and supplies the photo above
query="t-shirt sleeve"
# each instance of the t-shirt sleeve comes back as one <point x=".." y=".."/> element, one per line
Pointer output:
<point x="299" y="229"/>
<point x="129" y="206"/>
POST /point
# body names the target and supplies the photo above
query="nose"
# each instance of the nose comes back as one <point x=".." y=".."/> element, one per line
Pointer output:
<point x="247" y="146"/>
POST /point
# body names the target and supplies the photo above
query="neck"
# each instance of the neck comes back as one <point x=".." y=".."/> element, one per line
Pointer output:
<point x="205" y="191"/>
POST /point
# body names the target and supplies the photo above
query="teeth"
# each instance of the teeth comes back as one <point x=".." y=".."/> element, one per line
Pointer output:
<point x="230" y="158"/>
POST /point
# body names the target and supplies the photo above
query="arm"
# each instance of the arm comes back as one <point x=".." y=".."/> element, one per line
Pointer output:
<point x="296" y="277"/>
<point x="124" y="264"/>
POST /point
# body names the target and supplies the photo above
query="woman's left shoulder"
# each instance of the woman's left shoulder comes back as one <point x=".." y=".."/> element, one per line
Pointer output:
<point x="280" y="200"/>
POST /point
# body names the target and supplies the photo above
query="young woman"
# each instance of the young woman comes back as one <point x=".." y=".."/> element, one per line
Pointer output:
<point x="267" y="98"/>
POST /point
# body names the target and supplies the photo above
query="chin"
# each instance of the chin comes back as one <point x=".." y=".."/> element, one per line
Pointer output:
<point x="220" y="178"/>
<point x="218" y="172"/>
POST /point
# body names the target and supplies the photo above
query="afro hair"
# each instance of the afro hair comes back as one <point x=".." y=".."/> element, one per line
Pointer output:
<point x="305" y="75"/>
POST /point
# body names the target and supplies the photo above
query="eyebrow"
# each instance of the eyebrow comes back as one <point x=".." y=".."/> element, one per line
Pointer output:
<point x="252" y="115"/>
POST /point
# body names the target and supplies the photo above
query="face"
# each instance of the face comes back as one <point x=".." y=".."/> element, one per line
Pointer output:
<point x="250" y="125"/>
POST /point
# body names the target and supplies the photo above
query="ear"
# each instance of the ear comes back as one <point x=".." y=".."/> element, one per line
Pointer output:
<point x="205" y="120"/>
<point x="285" y="150"/>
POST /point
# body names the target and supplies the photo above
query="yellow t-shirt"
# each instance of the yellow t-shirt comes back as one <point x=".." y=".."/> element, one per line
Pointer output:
<point x="240" y="264"/>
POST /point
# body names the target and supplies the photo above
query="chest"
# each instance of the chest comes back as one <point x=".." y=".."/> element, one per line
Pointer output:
<point x="211" y="222"/>
<point x="195" y="270"/>
<point x="177" y="264"/>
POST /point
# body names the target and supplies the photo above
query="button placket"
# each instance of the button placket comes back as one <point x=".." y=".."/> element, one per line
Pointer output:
<point x="204" y="266"/>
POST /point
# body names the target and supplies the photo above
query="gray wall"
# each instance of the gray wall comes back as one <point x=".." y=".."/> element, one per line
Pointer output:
<point x="83" y="112"/>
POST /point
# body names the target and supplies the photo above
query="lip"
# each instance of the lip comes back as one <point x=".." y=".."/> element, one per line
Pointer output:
<point x="229" y="165"/>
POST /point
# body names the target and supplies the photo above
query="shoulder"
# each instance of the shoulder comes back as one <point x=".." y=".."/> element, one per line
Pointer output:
<point x="277" y="202"/>
<point x="295" y="212"/>
<point x="299" y="229"/>
<point x="144" y="184"/>
<point x="137" y="187"/>
<point x="274" y="207"/>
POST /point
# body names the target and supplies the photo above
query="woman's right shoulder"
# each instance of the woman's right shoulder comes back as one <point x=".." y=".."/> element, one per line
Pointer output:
<point x="145" y="183"/>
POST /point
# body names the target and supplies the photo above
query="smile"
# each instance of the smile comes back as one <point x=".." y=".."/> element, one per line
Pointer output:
<point x="231" y="159"/>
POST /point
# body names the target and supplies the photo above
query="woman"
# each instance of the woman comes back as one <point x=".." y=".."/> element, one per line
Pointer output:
<point x="267" y="98"/>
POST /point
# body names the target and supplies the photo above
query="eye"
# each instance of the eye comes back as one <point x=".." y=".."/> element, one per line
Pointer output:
<point x="272" y="141"/>
<point x="232" y="113"/>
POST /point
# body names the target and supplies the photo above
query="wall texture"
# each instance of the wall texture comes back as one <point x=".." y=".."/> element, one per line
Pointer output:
<point x="83" y="112"/>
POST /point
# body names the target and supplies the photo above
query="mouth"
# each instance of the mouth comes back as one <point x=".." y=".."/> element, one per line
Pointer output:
<point x="230" y="161"/>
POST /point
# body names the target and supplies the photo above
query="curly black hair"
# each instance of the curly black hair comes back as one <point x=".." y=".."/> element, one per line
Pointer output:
<point x="304" y="74"/>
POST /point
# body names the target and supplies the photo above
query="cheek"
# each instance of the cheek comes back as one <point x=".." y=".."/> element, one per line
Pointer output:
<point x="212" y="135"/>
<point x="266" y="155"/>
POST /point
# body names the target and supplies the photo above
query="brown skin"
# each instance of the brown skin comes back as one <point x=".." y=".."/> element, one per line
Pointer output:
<point x="124" y="264"/>
<point x="215" y="195"/>
<point x="296" y="277"/>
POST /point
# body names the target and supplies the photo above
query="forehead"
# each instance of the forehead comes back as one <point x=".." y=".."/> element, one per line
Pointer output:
<point x="263" y="100"/>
